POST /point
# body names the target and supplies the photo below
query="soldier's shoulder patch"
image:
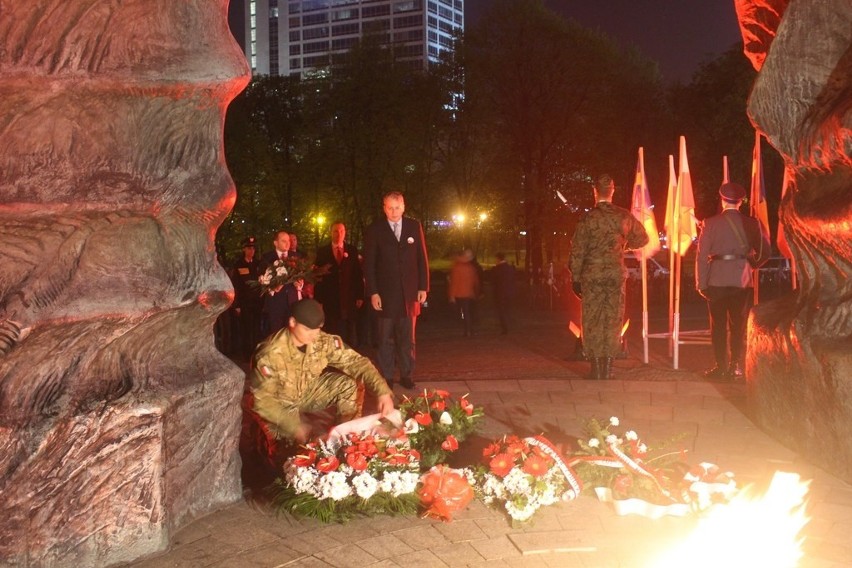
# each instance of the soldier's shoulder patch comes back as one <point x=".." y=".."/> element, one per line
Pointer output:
<point x="337" y="342"/>
<point x="265" y="371"/>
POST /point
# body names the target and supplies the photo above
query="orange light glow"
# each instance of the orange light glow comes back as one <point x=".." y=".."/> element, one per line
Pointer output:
<point x="748" y="531"/>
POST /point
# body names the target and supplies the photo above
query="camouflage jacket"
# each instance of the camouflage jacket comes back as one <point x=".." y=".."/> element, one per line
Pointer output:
<point x="281" y="374"/>
<point x="602" y="236"/>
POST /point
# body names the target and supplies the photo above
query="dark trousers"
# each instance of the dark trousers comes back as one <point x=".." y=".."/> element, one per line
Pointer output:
<point x="396" y="346"/>
<point x="465" y="306"/>
<point x="505" y="306"/>
<point x="729" y="308"/>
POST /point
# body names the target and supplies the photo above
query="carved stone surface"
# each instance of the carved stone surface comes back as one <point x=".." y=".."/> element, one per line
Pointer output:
<point x="799" y="365"/>
<point x="119" y="420"/>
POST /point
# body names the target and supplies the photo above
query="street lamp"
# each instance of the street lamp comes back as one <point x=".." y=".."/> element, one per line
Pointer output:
<point x="319" y="221"/>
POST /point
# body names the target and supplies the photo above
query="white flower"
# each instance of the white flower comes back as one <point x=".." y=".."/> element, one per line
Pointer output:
<point x="365" y="485"/>
<point x="517" y="482"/>
<point x="642" y="448"/>
<point x="594" y="443"/>
<point x="613" y="421"/>
<point x="445" y="418"/>
<point x="631" y="435"/>
<point x="611" y="439"/>
<point x="410" y="240"/>
<point x="333" y="486"/>
<point x="265" y="278"/>
<point x="521" y="513"/>
<point x="411" y="426"/>
<point x="281" y="271"/>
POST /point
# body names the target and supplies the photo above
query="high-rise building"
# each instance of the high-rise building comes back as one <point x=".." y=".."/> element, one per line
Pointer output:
<point x="287" y="37"/>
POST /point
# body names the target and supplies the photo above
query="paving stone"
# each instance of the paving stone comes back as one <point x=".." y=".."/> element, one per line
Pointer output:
<point x="346" y="556"/>
<point x="627" y="398"/>
<point x="550" y="541"/>
<point x="419" y="538"/>
<point x="647" y="412"/>
<point x="420" y="559"/>
<point x="384" y="546"/>
<point x="496" y="548"/>
<point x="461" y="531"/>
<point x="458" y="554"/>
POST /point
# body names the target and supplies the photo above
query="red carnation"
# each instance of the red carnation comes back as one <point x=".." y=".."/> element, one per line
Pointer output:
<point x="357" y="461"/>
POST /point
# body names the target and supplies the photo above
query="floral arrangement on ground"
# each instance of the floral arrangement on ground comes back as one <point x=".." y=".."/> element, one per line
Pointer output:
<point x="436" y="422"/>
<point x="622" y="467"/>
<point x="522" y="475"/>
<point x="360" y="474"/>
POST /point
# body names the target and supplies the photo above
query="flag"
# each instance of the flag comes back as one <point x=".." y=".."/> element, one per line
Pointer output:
<point x="643" y="210"/>
<point x="725" y="176"/>
<point x="757" y="197"/>
<point x="680" y="206"/>
<point x="781" y="239"/>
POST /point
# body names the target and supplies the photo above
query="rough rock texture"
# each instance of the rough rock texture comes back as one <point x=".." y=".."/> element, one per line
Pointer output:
<point x="119" y="421"/>
<point x="799" y="364"/>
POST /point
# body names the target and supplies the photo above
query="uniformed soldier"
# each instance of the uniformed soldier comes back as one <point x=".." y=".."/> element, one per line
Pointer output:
<point x="597" y="267"/>
<point x="730" y="244"/>
<point x="291" y="375"/>
<point x="248" y="301"/>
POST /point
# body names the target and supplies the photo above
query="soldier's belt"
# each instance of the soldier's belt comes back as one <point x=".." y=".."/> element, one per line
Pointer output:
<point x="727" y="257"/>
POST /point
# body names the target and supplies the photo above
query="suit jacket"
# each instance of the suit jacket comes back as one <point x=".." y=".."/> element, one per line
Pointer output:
<point x="338" y="290"/>
<point x="718" y="238"/>
<point x="276" y="308"/>
<point x="396" y="270"/>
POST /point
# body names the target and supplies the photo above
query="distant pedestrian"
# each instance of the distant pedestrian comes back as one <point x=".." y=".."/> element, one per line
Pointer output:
<point x="464" y="288"/>
<point x="597" y="268"/>
<point x="396" y="270"/>
<point x="503" y="278"/>
<point x="729" y="245"/>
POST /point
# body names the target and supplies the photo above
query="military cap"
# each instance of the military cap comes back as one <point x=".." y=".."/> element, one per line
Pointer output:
<point x="308" y="312"/>
<point x="732" y="192"/>
<point x="249" y="242"/>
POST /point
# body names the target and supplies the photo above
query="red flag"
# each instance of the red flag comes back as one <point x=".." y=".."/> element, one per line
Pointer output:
<point x="680" y="206"/>
<point x="757" y="197"/>
<point x="642" y="208"/>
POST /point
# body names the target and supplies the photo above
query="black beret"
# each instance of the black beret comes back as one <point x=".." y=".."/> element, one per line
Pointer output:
<point x="732" y="192"/>
<point x="249" y="242"/>
<point x="308" y="312"/>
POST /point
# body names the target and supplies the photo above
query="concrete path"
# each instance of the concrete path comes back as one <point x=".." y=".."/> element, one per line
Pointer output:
<point x="527" y="386"/>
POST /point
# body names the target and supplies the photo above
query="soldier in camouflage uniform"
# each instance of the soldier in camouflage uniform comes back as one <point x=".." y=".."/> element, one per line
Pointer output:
<point x="597" y="265"/>
<point x="291" y="375"/>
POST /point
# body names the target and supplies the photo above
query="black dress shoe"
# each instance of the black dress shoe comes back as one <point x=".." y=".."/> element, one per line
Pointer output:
<point x="716" y="372"/>
<point x="735" y="371"/>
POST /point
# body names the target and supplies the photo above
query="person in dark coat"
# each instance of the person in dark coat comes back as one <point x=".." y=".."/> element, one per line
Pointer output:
<point x="276" y="306"/>
<point x="341" y="290"/>
<point x="396" y="269"/>
<point x="503" y="277"/>
<point x="248" y="302"/>
<point x="723" y="276"/>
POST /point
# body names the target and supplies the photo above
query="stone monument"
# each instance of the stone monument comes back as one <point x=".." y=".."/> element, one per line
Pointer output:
<point x="799" y="365"/>
<point x="119" y="421"/>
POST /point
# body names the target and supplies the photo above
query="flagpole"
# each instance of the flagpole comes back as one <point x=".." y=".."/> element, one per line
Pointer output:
<point x="678" y="259"/>
<point x="725" y="176"/>
<point x="672" y="259"/>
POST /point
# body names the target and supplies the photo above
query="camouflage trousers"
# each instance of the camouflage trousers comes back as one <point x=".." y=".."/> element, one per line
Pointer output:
<point x="603" y="316"/>
<point x="334" y="389"/>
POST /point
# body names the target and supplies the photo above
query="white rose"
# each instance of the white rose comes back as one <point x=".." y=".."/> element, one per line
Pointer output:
<point x="445" y="418"/>
<point x="631" y="435"/>
<point x="613" y="421"/>
<point x="611" y="439"/>
<point x="411" y="426"/>
<point x="594" y="443"/>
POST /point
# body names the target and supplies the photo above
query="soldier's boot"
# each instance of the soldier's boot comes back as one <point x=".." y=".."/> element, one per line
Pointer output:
<point x="595" y="373"/>
<point x="606" y="368"/>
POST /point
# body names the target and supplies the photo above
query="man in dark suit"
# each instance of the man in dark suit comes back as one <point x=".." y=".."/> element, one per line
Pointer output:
<point x="341" y="290"/>
<point x="276" y="306"/>
<point x="396" y="270"/>
<point x="503" y="278"/>
<point x="729" y="244"/>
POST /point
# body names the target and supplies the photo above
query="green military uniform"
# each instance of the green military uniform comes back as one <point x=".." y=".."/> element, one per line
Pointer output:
<point x="286" y="381"/>
<point x="596" y="261"/>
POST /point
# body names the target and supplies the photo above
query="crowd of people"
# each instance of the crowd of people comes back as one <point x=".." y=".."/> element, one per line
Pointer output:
<point x="306" y="342"/>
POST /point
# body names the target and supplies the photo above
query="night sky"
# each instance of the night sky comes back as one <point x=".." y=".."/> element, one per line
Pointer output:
<point x="678" y="34"/>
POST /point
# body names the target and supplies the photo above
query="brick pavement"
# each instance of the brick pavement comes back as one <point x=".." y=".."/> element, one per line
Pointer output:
<point x="527" y="386"/>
